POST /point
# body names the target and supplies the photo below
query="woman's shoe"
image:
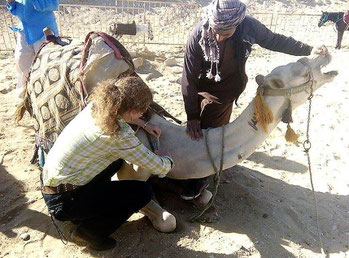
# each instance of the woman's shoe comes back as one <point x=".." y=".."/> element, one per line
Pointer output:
<point x="81" y="236"/>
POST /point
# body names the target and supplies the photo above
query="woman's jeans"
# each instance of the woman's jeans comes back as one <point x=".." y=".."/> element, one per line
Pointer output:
<point x="102" y="205"/>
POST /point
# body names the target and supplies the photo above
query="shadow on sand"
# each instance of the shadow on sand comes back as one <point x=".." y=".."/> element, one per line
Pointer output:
<point x="268" y="211"/>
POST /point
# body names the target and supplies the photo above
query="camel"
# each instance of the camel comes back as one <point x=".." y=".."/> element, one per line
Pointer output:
<point x="242" y="136"/>
<point x="55" y="82"/>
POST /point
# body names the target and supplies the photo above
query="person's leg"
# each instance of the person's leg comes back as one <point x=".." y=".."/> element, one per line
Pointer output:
<point x="37" y="44"/>
<point x="24" y="55"/>
<point x="214" y="115"/>
<point x="99" y="208"/>
<point x="103" y="208"/>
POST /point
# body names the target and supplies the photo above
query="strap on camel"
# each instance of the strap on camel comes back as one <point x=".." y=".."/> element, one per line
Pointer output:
<point x="156" y="108"/>
<point x="217" y="177"/>
<point x="119" y="51"/>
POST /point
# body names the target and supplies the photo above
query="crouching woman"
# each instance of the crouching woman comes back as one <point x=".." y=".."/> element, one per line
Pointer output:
<point x="76" y="179"/>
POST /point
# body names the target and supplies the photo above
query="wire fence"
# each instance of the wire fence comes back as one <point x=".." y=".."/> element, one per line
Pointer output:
<point x="171" y="22"/>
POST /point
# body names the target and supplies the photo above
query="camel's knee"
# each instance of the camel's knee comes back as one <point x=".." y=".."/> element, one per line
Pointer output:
<point x="127" y="172"/>
<point x="161" y="219"/>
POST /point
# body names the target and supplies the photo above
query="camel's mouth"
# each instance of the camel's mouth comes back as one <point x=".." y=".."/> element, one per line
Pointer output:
<point x="328" y="73"/>
<point x="331" y="73"/>
<point x="321" y="62"/>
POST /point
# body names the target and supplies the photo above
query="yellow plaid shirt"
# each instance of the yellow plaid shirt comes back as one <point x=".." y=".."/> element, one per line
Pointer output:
<point x="82" y="151"/>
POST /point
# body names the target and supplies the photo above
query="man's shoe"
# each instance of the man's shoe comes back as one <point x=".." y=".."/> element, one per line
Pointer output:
<point x="82" y="237"/>
<point x="194" y="189"/>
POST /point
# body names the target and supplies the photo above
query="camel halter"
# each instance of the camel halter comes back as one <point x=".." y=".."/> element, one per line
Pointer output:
<point x="217" y="176"/>
<point x="265" y="116"/>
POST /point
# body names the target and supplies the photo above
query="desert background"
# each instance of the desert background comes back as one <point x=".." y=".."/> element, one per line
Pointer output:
<point x="264" y="206"/>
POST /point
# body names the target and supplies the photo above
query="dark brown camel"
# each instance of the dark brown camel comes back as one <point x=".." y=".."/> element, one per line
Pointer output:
<point x="337" y="18"/>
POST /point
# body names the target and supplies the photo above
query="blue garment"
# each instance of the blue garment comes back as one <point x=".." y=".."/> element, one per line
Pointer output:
<point x="34" y="15"/>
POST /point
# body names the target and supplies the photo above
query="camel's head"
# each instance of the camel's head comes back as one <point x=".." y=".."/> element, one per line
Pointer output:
<point x="323" y="19"/>
<point x="306" y="71"/>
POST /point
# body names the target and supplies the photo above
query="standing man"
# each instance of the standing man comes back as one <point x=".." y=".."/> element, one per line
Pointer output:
<point x="214" y="67"/>
<point x="34" y="16"/>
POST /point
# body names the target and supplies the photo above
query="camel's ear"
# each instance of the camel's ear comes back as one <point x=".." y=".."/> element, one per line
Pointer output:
<point x="259" y="79"/>
<point x="304" y="61"/>
<point x="275" y="82"/>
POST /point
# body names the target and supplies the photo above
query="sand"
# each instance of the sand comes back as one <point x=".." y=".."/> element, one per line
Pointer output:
<point x="264" y="207"/>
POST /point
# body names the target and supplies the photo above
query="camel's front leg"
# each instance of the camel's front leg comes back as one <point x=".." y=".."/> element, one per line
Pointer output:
<point x="132" y="172"/>
<point x="161" y="219"/>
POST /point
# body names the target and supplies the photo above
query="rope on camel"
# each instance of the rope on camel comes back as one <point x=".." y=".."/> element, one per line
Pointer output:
<point x="264" y="116"/>
<point x="217" y="177"/>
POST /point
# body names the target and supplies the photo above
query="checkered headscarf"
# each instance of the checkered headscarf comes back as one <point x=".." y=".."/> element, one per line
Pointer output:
<point x="220" y="15"/>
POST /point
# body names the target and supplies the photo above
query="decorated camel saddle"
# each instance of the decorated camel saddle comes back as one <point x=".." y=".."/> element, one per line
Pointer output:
<point x="62" y="77"/>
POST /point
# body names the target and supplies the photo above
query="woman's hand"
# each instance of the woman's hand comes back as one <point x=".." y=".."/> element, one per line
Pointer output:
<point x="152" y="129"/>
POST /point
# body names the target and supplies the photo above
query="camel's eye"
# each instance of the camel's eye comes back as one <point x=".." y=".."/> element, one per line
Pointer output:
<point x="307" y="75"/>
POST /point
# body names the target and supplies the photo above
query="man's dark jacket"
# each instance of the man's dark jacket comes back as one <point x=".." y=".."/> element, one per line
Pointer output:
<point x="249" y="32"/>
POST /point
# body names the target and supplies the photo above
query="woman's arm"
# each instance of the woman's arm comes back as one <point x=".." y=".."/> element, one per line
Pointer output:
<point x="150" y="128"/>
<point x="128" y="147"/>
<point x="45" y="5"/>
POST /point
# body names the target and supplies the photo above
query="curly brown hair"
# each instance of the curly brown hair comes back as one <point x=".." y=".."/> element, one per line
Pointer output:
<point x="112" y="99"/>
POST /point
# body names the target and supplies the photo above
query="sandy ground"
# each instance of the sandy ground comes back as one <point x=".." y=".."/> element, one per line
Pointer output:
<point x="264" y="207"/>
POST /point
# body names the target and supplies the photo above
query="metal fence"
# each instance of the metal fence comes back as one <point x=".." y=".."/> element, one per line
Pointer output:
<point x="7" y="37"/>
<point x="171" y="22"/>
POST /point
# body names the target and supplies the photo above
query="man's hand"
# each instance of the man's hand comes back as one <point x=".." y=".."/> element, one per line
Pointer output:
<point x="10" y="1"/>
<point x="194" y="129"/>
<point x="320" y="50"/>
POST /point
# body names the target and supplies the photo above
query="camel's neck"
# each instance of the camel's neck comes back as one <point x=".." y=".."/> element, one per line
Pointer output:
<point x="334" y="17"/>
<point x="241" y="138"/>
